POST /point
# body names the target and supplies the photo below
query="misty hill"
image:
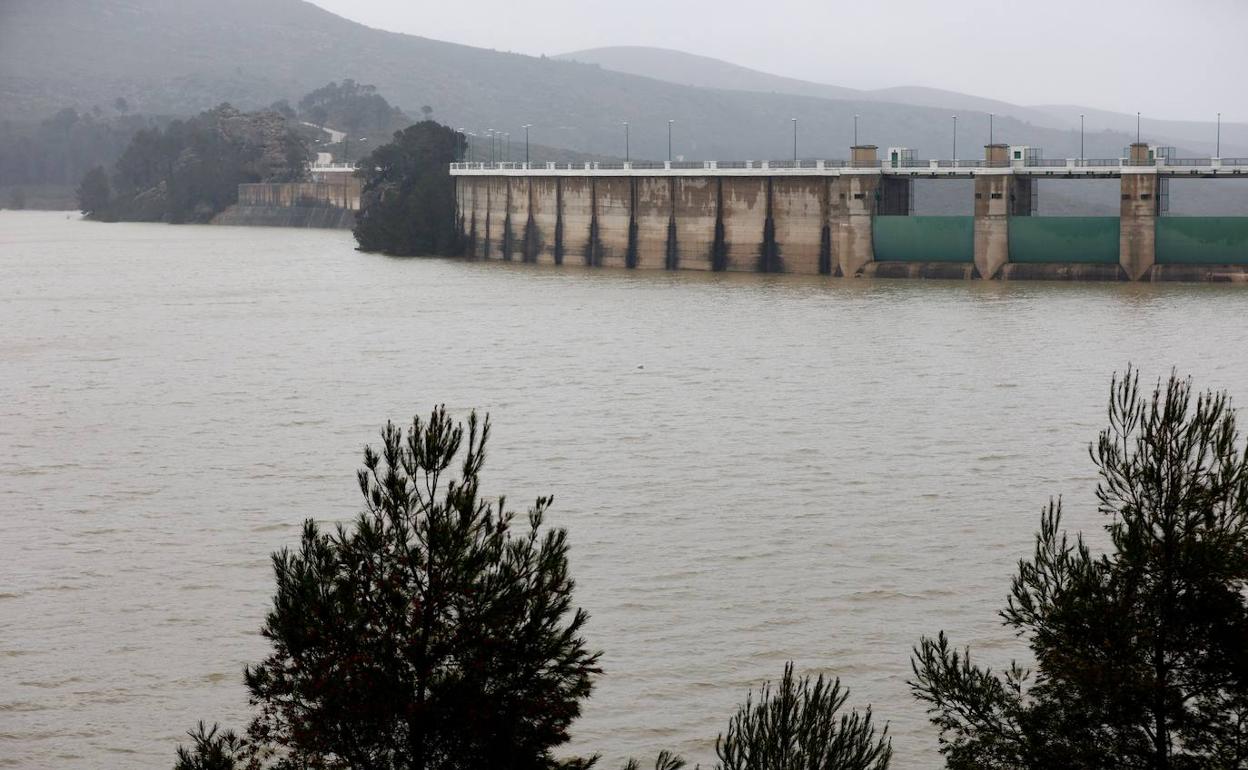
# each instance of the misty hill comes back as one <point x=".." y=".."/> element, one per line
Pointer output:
<point x="182" y="57"/>
<point x="705" y="71"/>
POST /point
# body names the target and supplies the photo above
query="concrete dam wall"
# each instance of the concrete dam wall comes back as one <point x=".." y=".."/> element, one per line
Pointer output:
<point x="854" y="220"/>
<point x="295" y="204"/>
<point x="326" y="217"/>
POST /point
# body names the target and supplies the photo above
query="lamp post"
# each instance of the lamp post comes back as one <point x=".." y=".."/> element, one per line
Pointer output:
<point x="490" y="132"/>
<point x="1081" y="137"/>
<point x="627" y="159"/>
<point x="507" y="135"/>
<point x="527" y="126"/>
<point x="669" y="140"/>
<point x="955" y="140"/>
<point x="794" y="142"/>
<point x="990" y="128"/>
<point x="855" y="130"/>
<point x="1219" y="145"/>
<point x="1137" y="128"/>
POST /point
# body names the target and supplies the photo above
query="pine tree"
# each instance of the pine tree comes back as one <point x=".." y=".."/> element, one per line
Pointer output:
<point x="407" y="205"/>
<point x="1141" y="653"/>
<point x="799" y="726"/>
<point x="436" y="633"/>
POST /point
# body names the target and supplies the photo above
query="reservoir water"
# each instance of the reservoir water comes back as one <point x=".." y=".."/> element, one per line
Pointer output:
<point x="752" y="468"/>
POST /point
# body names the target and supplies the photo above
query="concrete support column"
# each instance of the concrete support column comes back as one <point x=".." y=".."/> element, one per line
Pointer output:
<point x="851" y="211"/>
<point x="992" y="213"/>
<point x="1141" y="193"/>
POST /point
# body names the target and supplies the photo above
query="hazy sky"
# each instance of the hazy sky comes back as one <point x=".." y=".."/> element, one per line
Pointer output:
<point x="1168" y="59"/>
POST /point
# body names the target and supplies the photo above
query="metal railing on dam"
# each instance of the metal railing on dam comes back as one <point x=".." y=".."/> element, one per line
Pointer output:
<point x="848" y="218"/>
<point x="966" y="167"/>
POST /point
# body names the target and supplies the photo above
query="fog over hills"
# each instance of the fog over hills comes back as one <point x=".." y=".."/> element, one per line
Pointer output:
<point x="690" y="69"/>
<point x="181" y="57"/>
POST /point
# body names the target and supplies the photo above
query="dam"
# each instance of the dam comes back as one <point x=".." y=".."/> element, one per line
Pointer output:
<point x="850" y="217"/>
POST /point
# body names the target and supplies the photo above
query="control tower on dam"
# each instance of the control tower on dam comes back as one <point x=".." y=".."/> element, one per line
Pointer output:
<point x="850" y="217"/>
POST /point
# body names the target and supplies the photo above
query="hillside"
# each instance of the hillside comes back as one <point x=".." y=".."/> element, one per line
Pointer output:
<point x="187" y="56"/>
<point x="708" y="72"/>
<point x="688" y="69"/>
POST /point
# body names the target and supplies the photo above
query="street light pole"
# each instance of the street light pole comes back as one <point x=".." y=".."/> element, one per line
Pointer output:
<point x="1137" y="128"/>
<point x="627" y="159"/>
<point x="527" y="126"/>
<point x="855" y="130"/>
<point x="1219" y="149"/>
<point x="669" y="141"/>
<point x="990" y="128"/>
<point x="1081" y="137"/>
<point x="955" y="140"/>
<point x="795" y="142"/>
<point x="508" y="135"/>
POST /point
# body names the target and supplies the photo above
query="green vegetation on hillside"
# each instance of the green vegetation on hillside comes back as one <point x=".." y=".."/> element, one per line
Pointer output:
<point x="59" y="149"/>
<point x="351" y="107"/>
<point x="190" y="170"/>
<point x="184" y="56"/>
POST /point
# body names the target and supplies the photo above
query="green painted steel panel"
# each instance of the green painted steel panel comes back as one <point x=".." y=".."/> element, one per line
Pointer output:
<point x="1071" y="240"/>
<point x="924" y="239"/>
<point x="1202" y="240"/>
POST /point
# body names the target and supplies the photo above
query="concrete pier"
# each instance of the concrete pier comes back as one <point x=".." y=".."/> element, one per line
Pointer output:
<point x="995" y="203"/>
<point x="1141" y="201"/>
<point x="852" y="209"/>
<point x="821" y="217"/>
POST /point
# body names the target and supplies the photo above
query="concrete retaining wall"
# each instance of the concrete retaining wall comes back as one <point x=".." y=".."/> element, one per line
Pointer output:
<point x="343" y="195"/>
<point x="287" y="216"/>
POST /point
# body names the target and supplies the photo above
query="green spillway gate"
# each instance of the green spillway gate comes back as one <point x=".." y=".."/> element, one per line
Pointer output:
<point x="923" y="239"/>
<point x="1202" y="240"/>
<point x="1071" y="240"/>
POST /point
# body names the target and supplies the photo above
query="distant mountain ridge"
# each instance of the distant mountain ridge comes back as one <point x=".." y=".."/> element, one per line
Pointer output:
<point x="707" y="72"/>
<point x="185" y="56"/>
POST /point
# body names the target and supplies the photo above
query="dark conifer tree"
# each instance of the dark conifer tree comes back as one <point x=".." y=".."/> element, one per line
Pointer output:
<point x="94" y="194"/>
<point x="435" y="633"/>
<point x="407" y="205"/>
<point x="799" y="726"/>
<point x="1141" y="653"/>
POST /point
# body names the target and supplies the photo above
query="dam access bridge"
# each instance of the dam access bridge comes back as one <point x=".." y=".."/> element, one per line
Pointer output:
<point x="850" y="217"/>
